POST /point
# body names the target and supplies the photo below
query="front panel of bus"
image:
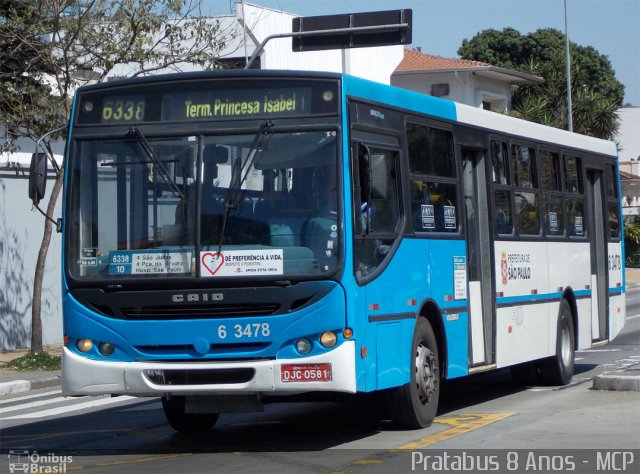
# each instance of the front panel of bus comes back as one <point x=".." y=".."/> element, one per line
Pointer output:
<point x="204" y="238"/>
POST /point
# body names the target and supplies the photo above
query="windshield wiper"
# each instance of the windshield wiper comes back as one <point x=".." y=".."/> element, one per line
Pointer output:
<point x="162" y="171"/>
<point x="235" y="189"/>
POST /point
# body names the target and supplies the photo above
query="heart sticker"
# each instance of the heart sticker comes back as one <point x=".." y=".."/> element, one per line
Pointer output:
<point x="215" y="261"/>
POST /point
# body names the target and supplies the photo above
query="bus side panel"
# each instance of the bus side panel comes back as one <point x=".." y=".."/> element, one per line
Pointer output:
<point x="617" y="304"/>
<point x="584" y="321"/>
<point x="456" y="325"/>
<point x="420" y="269"/>
<point x="570" y="268"/>
<point x="531" y="280"/>
<point x="454" y="306"/>
<point x="389" y="316"/>
<point x="524" y="308"/>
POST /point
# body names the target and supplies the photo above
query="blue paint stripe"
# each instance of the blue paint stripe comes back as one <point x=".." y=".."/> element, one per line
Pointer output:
<point x="397" y="97"/>
<point x="540" y="298"/>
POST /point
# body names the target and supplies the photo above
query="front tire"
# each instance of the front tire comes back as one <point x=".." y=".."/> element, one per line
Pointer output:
<point x="414" y="404"/>
<point x="558" y="369"/>
<point x="174" y="410"/>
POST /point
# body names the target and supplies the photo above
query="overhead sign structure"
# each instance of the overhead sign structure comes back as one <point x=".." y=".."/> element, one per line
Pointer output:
<point x="352" y="30"/>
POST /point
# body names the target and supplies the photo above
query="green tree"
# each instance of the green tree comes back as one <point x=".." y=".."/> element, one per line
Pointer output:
<point x="596" y="93"/>
<point x="632" y="242"/>
<point x="48" y="48"/>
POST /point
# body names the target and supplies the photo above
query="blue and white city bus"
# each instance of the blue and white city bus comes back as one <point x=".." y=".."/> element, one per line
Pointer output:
<point x="231" y="236"/>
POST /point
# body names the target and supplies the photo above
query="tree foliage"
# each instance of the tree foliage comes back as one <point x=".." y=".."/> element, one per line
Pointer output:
<point x="596" y="93"/>
<point x="632" y="242"/>
<point x="48" y="48"/>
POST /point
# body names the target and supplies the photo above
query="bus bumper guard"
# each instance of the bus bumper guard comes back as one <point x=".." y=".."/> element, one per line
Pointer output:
<point x="83" y="376"/>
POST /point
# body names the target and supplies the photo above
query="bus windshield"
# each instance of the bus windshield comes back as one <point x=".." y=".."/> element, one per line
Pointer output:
<point x="228" y="206"/>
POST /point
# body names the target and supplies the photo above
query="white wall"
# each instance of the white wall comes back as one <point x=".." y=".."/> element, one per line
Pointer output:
<point x="464" y="87"/>
<point x="21" y="230"/>
<point x="629" y="134"/>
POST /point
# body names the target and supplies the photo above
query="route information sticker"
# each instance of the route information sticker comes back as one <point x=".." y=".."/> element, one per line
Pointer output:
<point x="460" y="278"/>
<point x="146" y="262"/>
<point x="241" y="263"/>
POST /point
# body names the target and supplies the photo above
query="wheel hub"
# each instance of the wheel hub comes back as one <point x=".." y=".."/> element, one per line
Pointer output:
<point x="426" y="373"/>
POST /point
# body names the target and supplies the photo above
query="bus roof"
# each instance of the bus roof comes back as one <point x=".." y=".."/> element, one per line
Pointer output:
<point x="473" y="116"/>
<point x="401" y="98"/>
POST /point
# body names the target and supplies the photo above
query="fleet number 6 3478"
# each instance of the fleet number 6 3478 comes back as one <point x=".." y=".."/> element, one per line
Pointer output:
<point x="239" y="331"/>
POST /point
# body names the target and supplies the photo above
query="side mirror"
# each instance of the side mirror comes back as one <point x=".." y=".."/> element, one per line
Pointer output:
<point x="37" y="177"/>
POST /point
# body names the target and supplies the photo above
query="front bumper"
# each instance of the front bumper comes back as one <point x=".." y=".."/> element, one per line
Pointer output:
<point x="83" y="376"/>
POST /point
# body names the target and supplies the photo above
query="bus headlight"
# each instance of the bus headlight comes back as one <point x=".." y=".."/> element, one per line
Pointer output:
<point x="106" y="348"/>
<point x="303" y="345"/>
<point x="328" y="339"/>
<point x="84" y="345"/>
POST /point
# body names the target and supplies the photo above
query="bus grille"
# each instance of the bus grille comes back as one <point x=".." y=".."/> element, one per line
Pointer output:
<point x="199" y="376"/>
<point x="200" y="312"/>
<point x="171" y="351"/>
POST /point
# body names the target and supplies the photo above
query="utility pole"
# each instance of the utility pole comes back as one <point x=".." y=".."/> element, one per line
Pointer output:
<point x="568" y="65"/>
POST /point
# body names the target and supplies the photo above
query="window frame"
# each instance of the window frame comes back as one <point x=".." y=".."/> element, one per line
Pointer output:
<point x="413" y="176"/>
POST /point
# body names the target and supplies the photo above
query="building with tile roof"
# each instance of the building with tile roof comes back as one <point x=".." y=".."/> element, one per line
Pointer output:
<point x="469" y="82"/>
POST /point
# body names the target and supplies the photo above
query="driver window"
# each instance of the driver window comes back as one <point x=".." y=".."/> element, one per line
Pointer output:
<point x="376" y="206"/>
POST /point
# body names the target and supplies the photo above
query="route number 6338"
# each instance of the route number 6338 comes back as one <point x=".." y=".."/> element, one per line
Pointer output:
<point x="240" y="331"/>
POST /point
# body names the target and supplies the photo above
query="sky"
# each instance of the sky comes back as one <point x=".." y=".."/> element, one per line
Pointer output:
<point x="610" y="26"/>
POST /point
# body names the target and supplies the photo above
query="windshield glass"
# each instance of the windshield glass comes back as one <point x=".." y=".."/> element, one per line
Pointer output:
<point x="147" y="207"/>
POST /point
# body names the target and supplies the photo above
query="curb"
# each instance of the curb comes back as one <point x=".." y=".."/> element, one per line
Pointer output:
<point x="19" y="386"/>
<point x="623" y="381"/>
<point x="16" y="386"/>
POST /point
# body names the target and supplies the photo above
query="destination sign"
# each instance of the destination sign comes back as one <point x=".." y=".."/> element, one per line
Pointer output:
<point x="206" y="100"/>
<point x="236" y="103"/>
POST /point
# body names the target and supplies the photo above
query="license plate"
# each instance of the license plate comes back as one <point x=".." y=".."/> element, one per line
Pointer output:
<point x="305" y="373"/>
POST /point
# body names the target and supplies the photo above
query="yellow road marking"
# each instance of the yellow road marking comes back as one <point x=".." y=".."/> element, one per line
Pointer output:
<point x="145" y="459"/>
<point x="368" y="461"/>
<point x="460" y="425"/>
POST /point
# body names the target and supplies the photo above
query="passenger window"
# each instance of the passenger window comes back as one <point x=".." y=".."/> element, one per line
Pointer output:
<point x="553" y="215"/>
<point x="523" y="160"/>
<point x="433" y="206"/>
<point x="613" y="205"/>
<point x="430" y="151"/>
<point x="504" y="214"/>
<point x="499" y="163"/>
<point x="573" y="174"/>
<point x="550" y="170"/>
<point x="575" y="217"/>
<point x="527" y="215"/>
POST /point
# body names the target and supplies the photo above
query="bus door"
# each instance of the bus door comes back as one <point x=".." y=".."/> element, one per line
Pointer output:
<point x="599" y="284"/>
<point x="481" y="278"/>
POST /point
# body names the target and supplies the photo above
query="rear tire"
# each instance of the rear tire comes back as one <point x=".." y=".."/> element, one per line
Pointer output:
<point x="414" y="404"/>
<point x="174" y="410"/>
<point x="558" y="370"/>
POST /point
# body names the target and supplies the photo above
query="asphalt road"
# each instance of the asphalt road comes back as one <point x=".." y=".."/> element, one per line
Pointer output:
<point x="483" y="412"/>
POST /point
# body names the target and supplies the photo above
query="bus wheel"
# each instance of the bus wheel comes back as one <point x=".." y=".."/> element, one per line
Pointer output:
<point x="414" y="404"/>
<point x="558" y="369"/>
<point x="186" y="422"/>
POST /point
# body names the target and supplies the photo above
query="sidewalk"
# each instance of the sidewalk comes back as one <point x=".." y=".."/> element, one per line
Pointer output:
<point x="14" y="381"/>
